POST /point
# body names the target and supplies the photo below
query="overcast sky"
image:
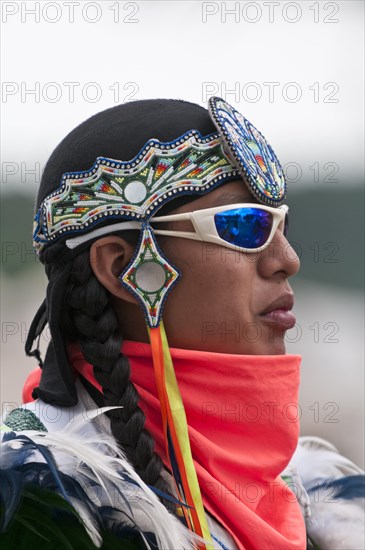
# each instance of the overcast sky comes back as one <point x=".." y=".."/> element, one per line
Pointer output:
<point x="294" y="69"/>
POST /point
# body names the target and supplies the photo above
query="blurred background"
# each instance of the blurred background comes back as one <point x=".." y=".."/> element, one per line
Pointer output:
<point x="295" y="69"/>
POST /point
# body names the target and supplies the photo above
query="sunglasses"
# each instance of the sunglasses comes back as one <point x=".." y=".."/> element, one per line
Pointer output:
<point x="245" y="227"/>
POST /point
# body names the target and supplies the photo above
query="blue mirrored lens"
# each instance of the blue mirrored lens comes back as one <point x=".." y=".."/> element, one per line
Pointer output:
<point x="244" y="227"/>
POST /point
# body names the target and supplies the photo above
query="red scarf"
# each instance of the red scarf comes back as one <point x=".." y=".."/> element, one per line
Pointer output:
<point x="243" y="423"/>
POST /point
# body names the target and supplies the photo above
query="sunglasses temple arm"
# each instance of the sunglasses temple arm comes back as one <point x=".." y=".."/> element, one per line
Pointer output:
<point x="171" y="217"/>
<point x="184" y="234"/>
<point x="176" y="217"/>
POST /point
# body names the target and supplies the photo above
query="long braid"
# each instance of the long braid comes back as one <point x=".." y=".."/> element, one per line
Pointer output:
<point x="89" y="318"/>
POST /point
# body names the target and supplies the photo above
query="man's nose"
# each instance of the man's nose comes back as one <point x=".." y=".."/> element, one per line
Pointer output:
<point x="279" y="256"/>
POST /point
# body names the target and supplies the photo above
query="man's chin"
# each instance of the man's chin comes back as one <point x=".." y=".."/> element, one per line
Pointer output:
<point x="273" y="341"/>
<point x="277" y="348"/>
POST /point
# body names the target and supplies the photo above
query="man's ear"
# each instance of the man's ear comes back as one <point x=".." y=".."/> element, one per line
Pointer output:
<point x="108" y="257"/>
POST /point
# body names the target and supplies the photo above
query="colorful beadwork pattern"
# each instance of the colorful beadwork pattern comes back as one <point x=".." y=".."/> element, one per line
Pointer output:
<point x="149" y="276"/>
<point x="133" y="189"/>
<point x="251" y="153"/>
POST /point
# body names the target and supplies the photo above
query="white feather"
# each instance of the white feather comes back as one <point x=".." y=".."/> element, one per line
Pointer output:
<point x="93" y="457"/>
<point x="336" y="524"/>
<point x="316" y="458"/>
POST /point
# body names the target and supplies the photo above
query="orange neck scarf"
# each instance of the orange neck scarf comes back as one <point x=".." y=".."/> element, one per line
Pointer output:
<point x="243" y="423"/>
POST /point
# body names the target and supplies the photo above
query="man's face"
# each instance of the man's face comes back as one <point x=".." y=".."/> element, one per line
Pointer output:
<point x="216" y="304"/>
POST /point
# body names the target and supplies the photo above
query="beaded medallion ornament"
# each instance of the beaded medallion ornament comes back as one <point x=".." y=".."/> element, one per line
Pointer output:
<point x="149" y="276"/>
<point x="249" y="150"/>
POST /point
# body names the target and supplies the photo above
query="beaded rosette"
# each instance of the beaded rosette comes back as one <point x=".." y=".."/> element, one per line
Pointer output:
<point x="250" y="152"/>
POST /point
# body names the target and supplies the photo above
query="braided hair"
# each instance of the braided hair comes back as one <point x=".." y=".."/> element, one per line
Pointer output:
<point x="88" y="317"/>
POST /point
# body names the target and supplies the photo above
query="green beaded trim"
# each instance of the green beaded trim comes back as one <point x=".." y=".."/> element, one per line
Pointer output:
<point x="22" y="419"/>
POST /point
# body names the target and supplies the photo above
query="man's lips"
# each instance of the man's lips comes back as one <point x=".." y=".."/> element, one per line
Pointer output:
<point x="280" y="317"/>
<point x="279" y="312"/>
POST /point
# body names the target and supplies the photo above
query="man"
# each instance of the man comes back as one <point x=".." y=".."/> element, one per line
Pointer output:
<point x="163" y="234"/>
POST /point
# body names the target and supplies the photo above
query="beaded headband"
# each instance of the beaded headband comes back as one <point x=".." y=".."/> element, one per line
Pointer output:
<point x="132" y="190"/>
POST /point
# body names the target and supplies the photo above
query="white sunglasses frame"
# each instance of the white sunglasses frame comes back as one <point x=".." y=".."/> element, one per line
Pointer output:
<point x="206" y="231"/>
<point x="203" y="223"/>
